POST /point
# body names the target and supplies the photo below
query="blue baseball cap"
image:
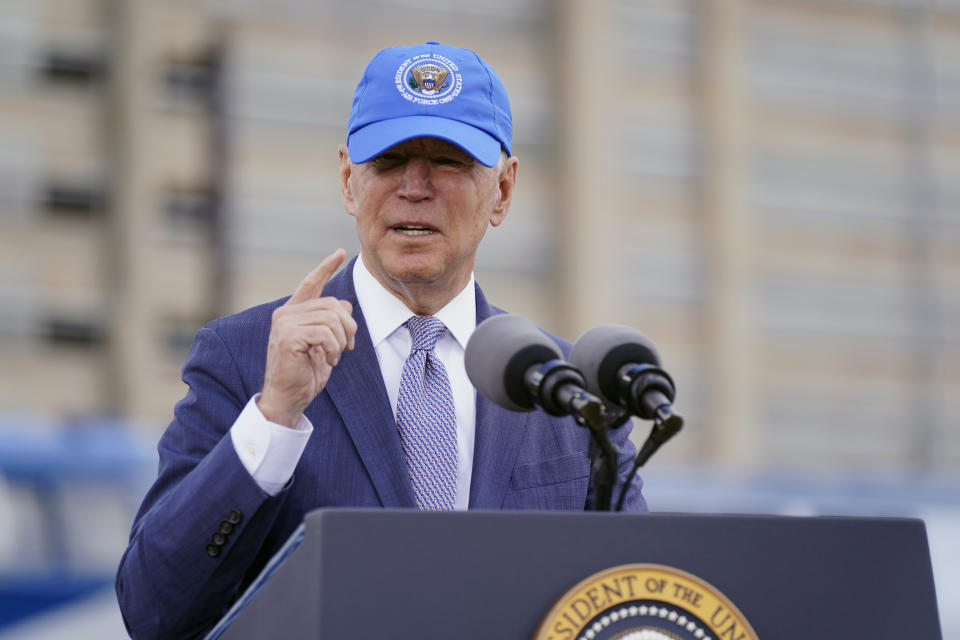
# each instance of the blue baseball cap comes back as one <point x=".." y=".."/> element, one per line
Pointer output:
<point x="430" y="90"/>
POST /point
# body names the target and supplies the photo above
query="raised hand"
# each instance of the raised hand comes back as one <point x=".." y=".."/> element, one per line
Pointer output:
<point x="307" y="337"/>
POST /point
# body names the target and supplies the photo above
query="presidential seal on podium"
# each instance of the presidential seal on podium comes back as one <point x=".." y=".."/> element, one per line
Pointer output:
<point x="644" y="602"/>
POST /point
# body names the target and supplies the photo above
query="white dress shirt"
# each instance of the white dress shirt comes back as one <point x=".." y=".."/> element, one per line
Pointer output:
<point x="270" y="452"/>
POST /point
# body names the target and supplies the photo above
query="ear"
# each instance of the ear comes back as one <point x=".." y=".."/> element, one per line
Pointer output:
<point x="506" y="182"/>
<point x="346" y="194"/>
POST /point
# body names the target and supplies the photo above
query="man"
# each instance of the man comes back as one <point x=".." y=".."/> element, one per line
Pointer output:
<point x="352" y="392"/>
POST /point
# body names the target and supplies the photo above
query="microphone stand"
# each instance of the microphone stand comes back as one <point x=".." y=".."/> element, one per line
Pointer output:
<point x="559" y="390"/>
<point x="603" y="468"/>
<point x="666" y="424"/>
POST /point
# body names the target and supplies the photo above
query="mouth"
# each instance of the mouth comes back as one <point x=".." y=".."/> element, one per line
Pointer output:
<point x="413" y="230"/>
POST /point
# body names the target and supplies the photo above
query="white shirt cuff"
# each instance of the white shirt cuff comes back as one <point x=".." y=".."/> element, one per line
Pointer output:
<point x="269" y="451"/>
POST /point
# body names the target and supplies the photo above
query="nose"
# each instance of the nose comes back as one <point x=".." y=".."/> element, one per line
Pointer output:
<point x="415" y="184"/>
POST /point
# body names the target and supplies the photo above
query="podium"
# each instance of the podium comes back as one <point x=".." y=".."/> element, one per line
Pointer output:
<point x="410" y="574"/>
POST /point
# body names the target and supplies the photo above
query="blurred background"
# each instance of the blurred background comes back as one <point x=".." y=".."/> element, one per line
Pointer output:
<point x="767" y="188"/>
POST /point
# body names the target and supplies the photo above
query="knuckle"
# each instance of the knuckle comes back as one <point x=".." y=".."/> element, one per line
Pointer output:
<point x="319" y="307"/>
<point x="326" y="337"/>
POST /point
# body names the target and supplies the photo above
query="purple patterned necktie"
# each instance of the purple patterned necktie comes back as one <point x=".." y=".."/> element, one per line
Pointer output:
<point x="426" y="418"/>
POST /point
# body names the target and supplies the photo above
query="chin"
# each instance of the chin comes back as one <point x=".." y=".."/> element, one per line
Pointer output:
<point x="412" y="267"/>
<point x="411" y="274"/>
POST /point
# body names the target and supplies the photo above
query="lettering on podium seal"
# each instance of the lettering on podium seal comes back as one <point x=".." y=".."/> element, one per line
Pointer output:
<point x="644" y="602"/>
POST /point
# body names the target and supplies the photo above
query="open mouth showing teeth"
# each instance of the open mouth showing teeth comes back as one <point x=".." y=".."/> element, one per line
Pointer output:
<point x="413" y="230"/>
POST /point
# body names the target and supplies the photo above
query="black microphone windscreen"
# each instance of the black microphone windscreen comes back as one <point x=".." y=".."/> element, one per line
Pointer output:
<point x="602" y="351"/>
<point x="499" y="353"/>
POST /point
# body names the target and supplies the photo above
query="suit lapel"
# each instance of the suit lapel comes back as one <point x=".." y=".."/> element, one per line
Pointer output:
<point x="497" y="440"/>
<point x="356" y="389"/>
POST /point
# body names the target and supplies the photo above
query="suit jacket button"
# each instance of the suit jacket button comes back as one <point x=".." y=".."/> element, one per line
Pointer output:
<point x="226" y="528"/>
<point x="234" y="516"/>
<point x="219" y="539"/>
<point x="213" y="550"/>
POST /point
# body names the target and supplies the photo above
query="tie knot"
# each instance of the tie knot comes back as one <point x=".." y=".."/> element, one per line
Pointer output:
<point x="425" y="331"/>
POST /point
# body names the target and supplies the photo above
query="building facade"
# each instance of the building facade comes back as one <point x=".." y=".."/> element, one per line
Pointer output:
<point x="767" y="188"/>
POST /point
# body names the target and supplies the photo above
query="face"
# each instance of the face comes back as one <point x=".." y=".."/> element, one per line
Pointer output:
<point x="422" y="208"/>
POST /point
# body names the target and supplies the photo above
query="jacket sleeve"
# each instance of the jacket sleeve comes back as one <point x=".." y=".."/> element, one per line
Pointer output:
<point x="203" y="523"/>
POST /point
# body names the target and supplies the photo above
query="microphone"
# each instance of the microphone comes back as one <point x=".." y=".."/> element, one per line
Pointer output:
<point x="513" y="364"/>
<point x="622" y="366"/>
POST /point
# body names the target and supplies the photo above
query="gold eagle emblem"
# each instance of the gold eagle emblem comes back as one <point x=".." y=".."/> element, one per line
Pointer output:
<point x="429" y="77"/>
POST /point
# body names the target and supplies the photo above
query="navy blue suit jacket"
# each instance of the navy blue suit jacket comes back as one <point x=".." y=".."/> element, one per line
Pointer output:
<point x="170" y="586"/>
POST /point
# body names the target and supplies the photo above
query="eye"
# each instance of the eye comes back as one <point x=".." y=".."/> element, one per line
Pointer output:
<point x="454" y="162"/>
<point x="388" y="160"/>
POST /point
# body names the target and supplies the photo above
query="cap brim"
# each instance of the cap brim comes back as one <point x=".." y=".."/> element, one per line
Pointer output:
<point x="375" y="138"/>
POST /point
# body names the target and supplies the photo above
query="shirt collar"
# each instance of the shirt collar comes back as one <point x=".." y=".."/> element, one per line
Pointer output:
<point x="384" y="312"/>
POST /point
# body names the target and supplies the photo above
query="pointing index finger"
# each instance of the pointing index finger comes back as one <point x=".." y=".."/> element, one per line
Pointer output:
<point x="312" y="286"/>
